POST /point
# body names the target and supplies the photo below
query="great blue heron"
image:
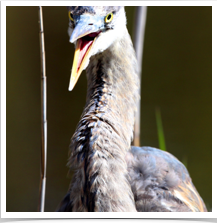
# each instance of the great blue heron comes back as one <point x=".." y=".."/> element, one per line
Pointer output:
<point x="110" y="175"/>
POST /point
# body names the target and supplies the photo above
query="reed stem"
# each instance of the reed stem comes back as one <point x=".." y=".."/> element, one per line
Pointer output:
<point x="42" y="188"/>
<point x="138" y="41"/>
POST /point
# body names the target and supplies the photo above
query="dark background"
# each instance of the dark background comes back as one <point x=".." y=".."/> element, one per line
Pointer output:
<point x="177" y="78"/>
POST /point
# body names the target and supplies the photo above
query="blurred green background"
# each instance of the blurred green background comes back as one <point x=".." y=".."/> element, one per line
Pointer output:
<point x="177" y="78"/>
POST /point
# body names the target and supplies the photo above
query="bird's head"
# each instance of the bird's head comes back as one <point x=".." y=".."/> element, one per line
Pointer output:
<point x="93" y="29"/>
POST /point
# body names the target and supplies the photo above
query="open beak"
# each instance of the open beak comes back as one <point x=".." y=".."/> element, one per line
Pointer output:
<point x="85" y="32"/>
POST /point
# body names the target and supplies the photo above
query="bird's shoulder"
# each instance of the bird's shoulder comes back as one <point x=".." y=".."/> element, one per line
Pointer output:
<point x="160" y="182"/>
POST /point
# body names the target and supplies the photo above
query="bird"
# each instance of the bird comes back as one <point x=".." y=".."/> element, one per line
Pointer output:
<point x="110" y="175"/>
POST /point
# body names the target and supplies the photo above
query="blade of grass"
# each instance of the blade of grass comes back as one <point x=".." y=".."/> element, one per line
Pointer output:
<point x="43" y="116"/>
<point x="161" y="139"/>
<point x="185" y="161"/>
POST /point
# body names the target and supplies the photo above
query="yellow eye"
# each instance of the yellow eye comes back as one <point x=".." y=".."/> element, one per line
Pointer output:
<point x="71" y="16"/>
<point x="109" y="17"/>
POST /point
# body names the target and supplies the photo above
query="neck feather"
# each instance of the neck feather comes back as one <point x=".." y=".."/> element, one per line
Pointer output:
<point x="105" y="131"/>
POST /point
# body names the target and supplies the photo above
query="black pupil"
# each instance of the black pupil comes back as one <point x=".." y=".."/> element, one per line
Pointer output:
<point x="109" y="17"/>
<point x="71" y="15"/>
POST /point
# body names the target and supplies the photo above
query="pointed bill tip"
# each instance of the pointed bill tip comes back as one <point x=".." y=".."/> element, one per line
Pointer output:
<point x="74" y="78"/>
<point x="70" y="87"/>
<point x="73" y="81"/>
<point x="72" y="38"/>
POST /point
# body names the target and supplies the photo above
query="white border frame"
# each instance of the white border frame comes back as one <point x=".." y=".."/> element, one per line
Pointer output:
<point x="5" y="214"/>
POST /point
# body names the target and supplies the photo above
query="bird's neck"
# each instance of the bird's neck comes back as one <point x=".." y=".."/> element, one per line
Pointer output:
<point x="105" y="131"/>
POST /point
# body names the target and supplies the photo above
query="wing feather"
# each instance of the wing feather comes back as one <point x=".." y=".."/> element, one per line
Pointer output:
<point x="160" y="182"/>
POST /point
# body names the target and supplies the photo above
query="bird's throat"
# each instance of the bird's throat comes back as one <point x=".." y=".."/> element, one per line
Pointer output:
<point x="105" y="131"/>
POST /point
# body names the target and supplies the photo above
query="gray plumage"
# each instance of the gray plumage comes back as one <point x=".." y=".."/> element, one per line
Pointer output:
<point x="109" y="174"/>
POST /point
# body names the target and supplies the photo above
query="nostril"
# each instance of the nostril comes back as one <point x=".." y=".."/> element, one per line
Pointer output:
<point x="90" y="24"/>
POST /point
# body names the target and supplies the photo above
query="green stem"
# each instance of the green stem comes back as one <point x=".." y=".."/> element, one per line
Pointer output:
<point x="161" y="138"/>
